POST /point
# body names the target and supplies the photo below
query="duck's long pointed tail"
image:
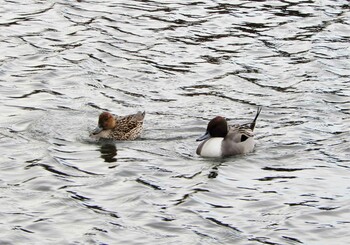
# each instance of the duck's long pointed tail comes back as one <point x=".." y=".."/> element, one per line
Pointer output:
<point x="252" y="125"/>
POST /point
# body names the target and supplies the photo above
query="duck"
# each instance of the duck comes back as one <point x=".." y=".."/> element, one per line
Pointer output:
<point x="119" y="127"/>
<point x="222" y="140"/>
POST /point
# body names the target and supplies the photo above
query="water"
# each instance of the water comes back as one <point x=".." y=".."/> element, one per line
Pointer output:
<point x="63" y="62"/>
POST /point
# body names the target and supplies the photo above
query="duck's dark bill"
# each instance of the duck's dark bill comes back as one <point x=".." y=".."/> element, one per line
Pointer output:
<point x="204" y="136"/>
<point x="97" y="130"/>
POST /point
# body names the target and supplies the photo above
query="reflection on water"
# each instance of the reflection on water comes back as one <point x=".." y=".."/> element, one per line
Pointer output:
<point x="63" y="62"/>
<point x="108" y="152"/>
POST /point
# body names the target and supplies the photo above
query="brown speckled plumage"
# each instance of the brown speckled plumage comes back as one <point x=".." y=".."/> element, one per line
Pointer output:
<point x="128" y="127"/>
<point x="119" y="127"/>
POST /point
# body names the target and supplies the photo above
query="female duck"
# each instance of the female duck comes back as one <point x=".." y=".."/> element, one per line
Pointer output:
<point x="222" y="140"/>
<point x="119" y="128"/>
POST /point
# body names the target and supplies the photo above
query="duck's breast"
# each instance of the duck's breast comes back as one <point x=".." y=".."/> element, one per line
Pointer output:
<point x="210" y="148"/>
<point x="104" y="134"/>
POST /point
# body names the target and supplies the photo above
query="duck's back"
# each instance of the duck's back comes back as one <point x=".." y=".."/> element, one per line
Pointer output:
<point x="239" y="140"/>
<point x="128" y="127"/>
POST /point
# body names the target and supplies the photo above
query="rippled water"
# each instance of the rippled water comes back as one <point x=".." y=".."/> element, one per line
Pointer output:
<point x="63" y="62"/>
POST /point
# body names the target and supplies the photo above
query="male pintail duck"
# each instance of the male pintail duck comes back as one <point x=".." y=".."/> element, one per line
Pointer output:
<point x="119" y="127"/>
<point x="222" y="140"/>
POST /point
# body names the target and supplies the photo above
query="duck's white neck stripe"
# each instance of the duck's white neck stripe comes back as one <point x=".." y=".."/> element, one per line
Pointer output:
<point x="212" y="148"/>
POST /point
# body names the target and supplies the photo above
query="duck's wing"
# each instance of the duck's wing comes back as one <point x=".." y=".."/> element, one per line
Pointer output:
<point x="239" y="140"/>
<point x="240" y="133"/>
<point x="139" y="116"/>
<point x="128" y="123"/>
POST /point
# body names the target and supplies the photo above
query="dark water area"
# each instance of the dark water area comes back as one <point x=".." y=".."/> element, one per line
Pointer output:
<point x="64" y="62"/>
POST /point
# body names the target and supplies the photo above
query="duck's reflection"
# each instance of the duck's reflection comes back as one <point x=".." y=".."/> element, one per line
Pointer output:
<point x="109" y="152"/>
<point x="214" y="171"/>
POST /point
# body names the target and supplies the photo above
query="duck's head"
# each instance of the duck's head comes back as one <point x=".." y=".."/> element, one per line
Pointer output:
<point x="217" y="127"/>
<point x="105" y="121"/>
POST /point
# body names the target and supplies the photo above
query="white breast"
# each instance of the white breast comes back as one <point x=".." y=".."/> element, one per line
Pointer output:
<point x="212" y="148"/>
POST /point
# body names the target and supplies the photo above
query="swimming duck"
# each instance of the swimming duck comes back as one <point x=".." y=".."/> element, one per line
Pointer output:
<point x="119" y="127"/>
<point x="222" y="140"/>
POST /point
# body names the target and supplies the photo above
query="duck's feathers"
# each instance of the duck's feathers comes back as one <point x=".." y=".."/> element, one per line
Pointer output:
<point x="210" y="148"/>
<point x="238" y="140"/>
<point x="231" y="148"/>
<point x="127" y="123"/>
<point x="239" y="133"/>
<point x="128" y="127"/>
<point x="252" y="125"/>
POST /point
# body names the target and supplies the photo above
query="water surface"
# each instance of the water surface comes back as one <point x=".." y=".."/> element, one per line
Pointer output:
<point x="63" y="62"/>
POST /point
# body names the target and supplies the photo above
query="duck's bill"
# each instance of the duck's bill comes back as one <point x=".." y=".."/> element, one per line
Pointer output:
<point x="204" y="136"/>
<point x="97" y="130"/>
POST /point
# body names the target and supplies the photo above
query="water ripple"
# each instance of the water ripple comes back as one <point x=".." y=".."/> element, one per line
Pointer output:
<point x="62" y="63"/>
